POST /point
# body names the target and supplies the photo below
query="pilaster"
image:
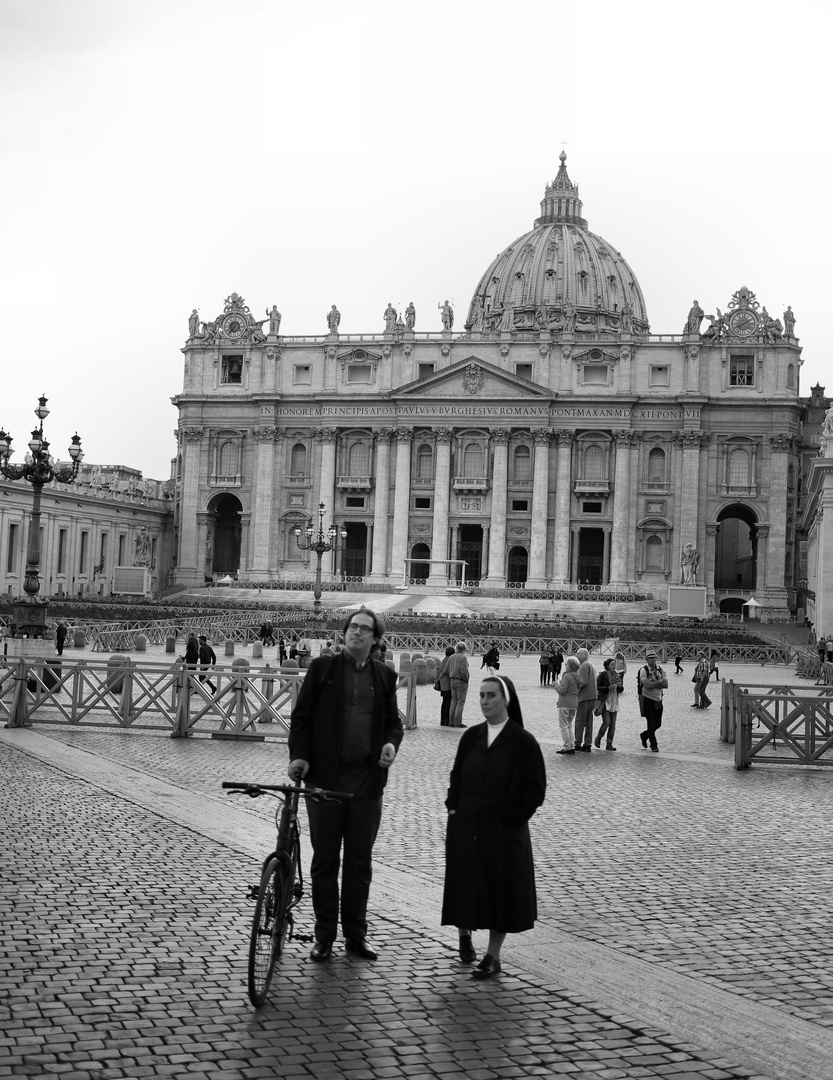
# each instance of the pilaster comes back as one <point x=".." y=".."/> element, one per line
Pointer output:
<point x="537" y="577"/>
<point x="401" y="504"/>
<point x="438" y="575"/>
<point x="500" y="477"/>
<point x="381" y="508"/>
<point x="561" y="571"/>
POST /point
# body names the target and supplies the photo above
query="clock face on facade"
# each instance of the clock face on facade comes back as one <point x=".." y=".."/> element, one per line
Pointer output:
<point x="743" y="323"/>
<point x="233" y="326"/>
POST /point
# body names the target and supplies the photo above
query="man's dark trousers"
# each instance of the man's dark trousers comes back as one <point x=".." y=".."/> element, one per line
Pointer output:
<point x="356" y="823"/>
<point x="653" y="720"/>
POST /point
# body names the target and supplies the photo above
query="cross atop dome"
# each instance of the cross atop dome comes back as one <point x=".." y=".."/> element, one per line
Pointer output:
<point x="561" y="202"/>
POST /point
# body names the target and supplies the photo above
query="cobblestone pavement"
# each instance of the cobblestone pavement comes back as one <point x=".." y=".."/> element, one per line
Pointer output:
<point x="682" y="930"/>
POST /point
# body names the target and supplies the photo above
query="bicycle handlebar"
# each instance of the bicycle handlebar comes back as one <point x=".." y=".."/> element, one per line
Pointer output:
<point x="253" y="790"/>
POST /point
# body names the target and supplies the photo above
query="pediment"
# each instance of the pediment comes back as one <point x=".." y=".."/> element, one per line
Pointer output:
<point x="473" y="380"/>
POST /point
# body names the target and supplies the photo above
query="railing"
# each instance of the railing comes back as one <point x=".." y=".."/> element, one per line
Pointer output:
<point x="778" y="725"/>
<point x="173" y="697"/>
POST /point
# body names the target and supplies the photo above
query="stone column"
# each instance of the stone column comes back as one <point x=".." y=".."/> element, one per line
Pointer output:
<point x="561" y="541"/>
<point x="265" y="439"/>
<point x="633" y="503"/>
<point x="189" y="560"/>
<point x="780" y="447"/>
<point x="484" y="565"/>
<point x="575" y="536"/>
<point x="244" y="561"/>
<point x="537" y="578"/>
<point x="691" y="443"/>
<point x="328" y="437"/>
<point x="712" y="529"/>
<point x="762" y="556"/>
<point x="606" y="556"/>
<point x="500" y="486"/>
<point x="456" y="571"/>
<point x="438" y="575"/>
<point x="381" y="508"/>
<point x="401" y="504"/>
<point x="621" y="509"/>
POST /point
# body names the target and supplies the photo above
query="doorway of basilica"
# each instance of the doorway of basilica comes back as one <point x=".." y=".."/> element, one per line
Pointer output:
<point x="736" y="550"/>
<point x="518" y="566"/>
<point x="225" y="511"/>
<point x="354" y="556"/>
<point x="470" y="548"/>
<point x="590" y="564"/>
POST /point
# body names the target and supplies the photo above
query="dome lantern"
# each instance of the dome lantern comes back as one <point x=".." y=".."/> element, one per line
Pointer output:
<point x="561" y="201"/>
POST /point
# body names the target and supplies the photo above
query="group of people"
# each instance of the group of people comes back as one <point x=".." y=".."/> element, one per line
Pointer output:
<point x="345" y="733"/>
<point x="550" y="662"/>
<point x="200" y="655"/>
<point x="825" y="648"/>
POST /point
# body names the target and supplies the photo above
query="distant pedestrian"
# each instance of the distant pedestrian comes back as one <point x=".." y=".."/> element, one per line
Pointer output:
<point x="568" y="688"/>
<point x="544" y="665"/>
<point x="713" y="668"/>
<point x="607" y="693"/>
<point x="282" y="649"/>
<point x="556" y="664"/>
<point x="621" y="666"/>
<point x="830" y="650"/>
<point x="491" y="659"/>
<point x="822" y="648"/>
<point x="445" y="688"/>
<point x="208" y="658"/>
<point x="586" y="702"/>
<point x="458" y="674"/>
<point x="60" y="637"/>
<point x="678" y="669"/>
<point x="192" y="656"/>
<point x="651" y="682"/>
<point x="701" y="677"/>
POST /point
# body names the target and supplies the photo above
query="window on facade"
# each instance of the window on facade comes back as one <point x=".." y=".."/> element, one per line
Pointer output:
<point x="359" y="373"/>
<point x="741" y="371"/>
<point x="422" y="502"/>
<point x="653" y="553"/>
<point x="11" y="554"/>
<point x="122" y="541"/>
<point x="473" y="461"/>
<point x="358" y="460"/>
<point x="738" y="469"/>
<point x="232" y="369"/>
<point x="520" y="504"/>
<point x="524" y="371"/>
<point x="298" y="460"/>
<point x="302" y="374"/>
<point x="594" y="463"/>
<point x="595" y="376"/>
<point x="228" y="459"/>
<point x="82" y="552"/>
<point x="656" y="466"/>
<point x="62" y="551"/>
<point x="522" y="464"/>
<point x="102" y="553"/>
<point x="425" y="462"/>
<point x="355" y="502"/>
<point x="791" y="376"/>
<point x="791" y="477"/>
<point x="660" y="376"/>
<point x="425" y="370"/>
<point x="592" y="507"/>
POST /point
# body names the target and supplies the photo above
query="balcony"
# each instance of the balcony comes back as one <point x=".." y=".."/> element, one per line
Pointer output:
<point x="592" y="487"/>
<point x="354" y="483"/>
<point x="221" y="480"/>
<point x="296" y="480"/>
<point x="470" y="485"/>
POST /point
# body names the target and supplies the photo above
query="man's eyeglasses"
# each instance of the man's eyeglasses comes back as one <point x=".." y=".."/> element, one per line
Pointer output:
<point x="361" y="628"/>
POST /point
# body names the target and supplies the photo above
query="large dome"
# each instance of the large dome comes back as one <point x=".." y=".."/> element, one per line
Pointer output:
<point x="559" y="276"/>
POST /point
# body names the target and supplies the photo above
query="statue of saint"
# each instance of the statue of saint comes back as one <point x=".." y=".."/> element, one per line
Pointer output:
<point x="193" y="324"/>
<point x="627" y="316"/>
<point x="695" y="317"/>
<point x="141" y="556"/>
<point x="333" y="319"/>
<point x="274" y="317"/>
<point x="569" y="313"/>
<point x="789" y="322"/>
<point x="827" y="430"/>
<point x="410" y="316"/>
<point x="447" y="314"/>
<point x="390" y="318"/>
<point x="689" y="561"/>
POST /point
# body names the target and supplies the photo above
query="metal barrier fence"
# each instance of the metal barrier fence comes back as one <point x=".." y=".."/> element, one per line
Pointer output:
<point x="778" y="724"/>
<point x="172" y="697"/>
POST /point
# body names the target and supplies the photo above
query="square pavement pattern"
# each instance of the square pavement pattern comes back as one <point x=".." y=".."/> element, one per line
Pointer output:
<point x="683" y="929"/>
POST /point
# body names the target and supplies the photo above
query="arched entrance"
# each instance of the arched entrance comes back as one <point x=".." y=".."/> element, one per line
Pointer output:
<point x="732" y="605"/>
<point x="736" y="550"/>
<point x="470" y="548"/>
<point x="518" y="566"/>
<point x="354" y="561"/>
<point x="419" y="571"/>
<point x="224" y="525"/>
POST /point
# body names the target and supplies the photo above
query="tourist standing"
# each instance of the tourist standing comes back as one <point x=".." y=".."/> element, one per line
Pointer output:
<point x="652" y="682"/>
<point x="621" y="666"/>
<point x="556" y="664"/>
<point x="568" y="688"/>
<point x="586" y="702"/>
<point x="458" y="676"/>
<point x="445" y="687"/>
<point x="607" y="692"/>
<point x="544" y="665"/>
<point x="702" y="674"/>
<point x="497" y="783"/>
<point x="60" y="637"/>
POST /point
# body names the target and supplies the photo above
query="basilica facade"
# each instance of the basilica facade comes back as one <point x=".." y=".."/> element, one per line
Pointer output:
<point x="550" y="441"/>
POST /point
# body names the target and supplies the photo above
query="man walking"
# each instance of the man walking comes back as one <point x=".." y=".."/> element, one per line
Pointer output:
<point x="60" y="637"/>
<point x="702" y="674"/>
<point x="208" y="658"/>
<point x="344" y="734"/>
<point x="458" y="675"/>
<point x="652" y="682"/>
<point x="586" y="700"/>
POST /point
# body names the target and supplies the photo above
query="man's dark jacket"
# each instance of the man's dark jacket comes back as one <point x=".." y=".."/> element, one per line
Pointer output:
<point x="316" y="730"/>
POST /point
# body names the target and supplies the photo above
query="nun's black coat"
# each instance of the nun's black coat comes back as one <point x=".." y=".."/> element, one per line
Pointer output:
<point x="495" y="790"/>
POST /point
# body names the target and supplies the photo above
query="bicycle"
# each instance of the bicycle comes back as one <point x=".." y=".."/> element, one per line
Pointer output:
<point x="281" y="881"/>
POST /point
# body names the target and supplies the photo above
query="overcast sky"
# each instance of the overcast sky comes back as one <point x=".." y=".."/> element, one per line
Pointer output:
<point x="157" y="156"/>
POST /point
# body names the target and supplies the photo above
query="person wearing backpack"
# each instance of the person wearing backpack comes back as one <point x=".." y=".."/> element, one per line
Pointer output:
<point x="702" y="674"/>
<point x="652" y="682"/>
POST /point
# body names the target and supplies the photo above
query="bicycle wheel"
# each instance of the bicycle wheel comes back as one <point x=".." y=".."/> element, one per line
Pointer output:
<point x="268" y="929"/>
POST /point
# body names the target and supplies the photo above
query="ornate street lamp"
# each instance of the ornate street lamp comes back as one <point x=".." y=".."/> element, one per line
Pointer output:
<point x="317" y="543"/>
<point x="38" y="468"/>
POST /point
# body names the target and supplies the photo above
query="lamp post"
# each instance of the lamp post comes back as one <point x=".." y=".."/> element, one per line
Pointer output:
<point x="38" y="468"/>
<point x="316" y="542"/>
